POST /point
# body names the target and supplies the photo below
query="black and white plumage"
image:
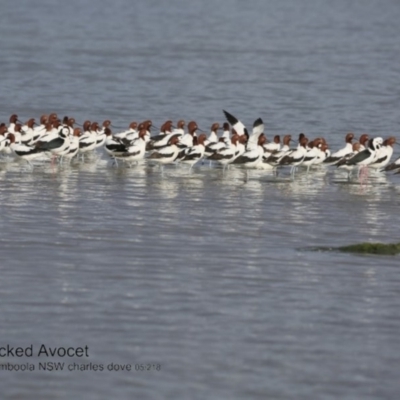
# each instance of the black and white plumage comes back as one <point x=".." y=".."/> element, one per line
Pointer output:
<point x="88" y="141"/>
<point x="23" y="151"/>
<point x="101" y="135"/>
<point x="240" y="129"/>
<point x="136" y="151"/>
<point x="214" y="147"/>
<point x="338" y="155"/>
<point x="273" y="146"/>
<point x="228" y="154"/>
<point x="367" y="156"/>
<point x="237" y="126"/>
<point x="167" y="154"/>
<point x="221" y="143"/>
<point x="40" y="130"/>
<point x="129" y="134"/>
<point x="314" y="154"/>
<point x="28" y="134"/>
<point x="395" y="165"/>
<point x="252" y="157"/>
<point x="57" y="146"/>
<point x="51" y="132"/>
<point x="73" y="148"/>
<point x="258" y="130"/>
<point x="195" y="153"/>
<point x="212" y="140"/>
<point x="295" y="157"/>
<point x="384" y="154"/>
<point x="187" y="139"/>
<point x="342" y="163"/>
<point x="323" y="154"/>
<point x="162" y="138"/>
<point x="363" y="158"/>
<point x="113" y="146"/>
<point x="273" y="158"/>
<point x="4" y="140"/>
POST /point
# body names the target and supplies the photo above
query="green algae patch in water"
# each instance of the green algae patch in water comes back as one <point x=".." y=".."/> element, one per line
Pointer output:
<point x="390" y="249"/>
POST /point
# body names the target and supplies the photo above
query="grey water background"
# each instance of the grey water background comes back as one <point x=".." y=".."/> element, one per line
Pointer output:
<point x="206" y="274"/>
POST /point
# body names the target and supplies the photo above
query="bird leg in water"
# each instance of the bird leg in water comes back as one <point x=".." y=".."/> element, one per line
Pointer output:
<point x="363" y="174"/>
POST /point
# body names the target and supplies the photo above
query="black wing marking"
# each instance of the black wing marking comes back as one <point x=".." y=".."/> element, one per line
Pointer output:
<point x="130" y="154"/>
<point x="82" y="145"/>
<point x="392" y="166"/>
<point x="158" y="137"/>
<point x="332" y="159"/>
<point x="158" y="155"/>
<point x="53" y="144"/>
<point x="380" y="160"/>
<point x="231" y="119"/>
<point x="244" y="160"/>
<point x="257" y="122"/>
<point x="359" y="157"/>
<point x="116" y="147"/>
<point x="191" y="156"/>
<point x="219" y="156"/>
<point x="33" y="150"/>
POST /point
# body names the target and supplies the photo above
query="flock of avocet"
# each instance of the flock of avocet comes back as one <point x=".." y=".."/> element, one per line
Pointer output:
<point x="54" y="139"/>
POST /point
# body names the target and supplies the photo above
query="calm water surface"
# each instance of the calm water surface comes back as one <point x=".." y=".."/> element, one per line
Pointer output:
<point x="207" y="274"/>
